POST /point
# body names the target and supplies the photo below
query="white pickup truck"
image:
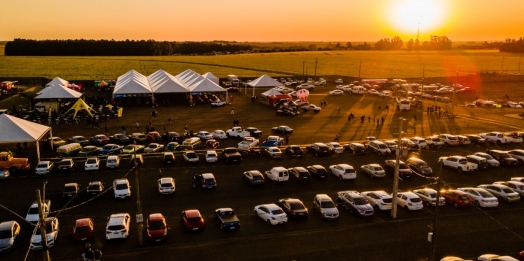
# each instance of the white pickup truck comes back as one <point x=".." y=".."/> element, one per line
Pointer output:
<point x="459" y="163"/>
<point x="247" y="143"/>
<point x="496" y="137"/>
<point x="238" y="132"/>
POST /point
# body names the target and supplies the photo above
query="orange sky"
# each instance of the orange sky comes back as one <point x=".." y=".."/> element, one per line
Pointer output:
<point x="268" y="20"/>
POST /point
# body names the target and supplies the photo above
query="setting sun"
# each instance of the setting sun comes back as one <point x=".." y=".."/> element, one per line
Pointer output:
<point x="407" y="15"/>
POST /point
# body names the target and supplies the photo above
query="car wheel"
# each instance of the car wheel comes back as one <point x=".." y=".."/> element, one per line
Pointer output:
<point x="455" y="205"/>
<point x="13" y="170"/>
<point x="459" y="169"/>
<point x="476" y="203"/>
<point x="340" y="177"/>
<point x="269" y="222"/>
<point x="256" y="214"/>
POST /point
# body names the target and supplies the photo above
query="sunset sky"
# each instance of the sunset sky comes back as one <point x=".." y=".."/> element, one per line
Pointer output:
<point x="265" y="21"/>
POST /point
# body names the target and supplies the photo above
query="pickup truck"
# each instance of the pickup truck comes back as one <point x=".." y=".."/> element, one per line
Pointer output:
<point x="273" y="141"/>
<point x="238" y="132"/>
<point x="247" y="143"/>
<point x="14" y="165"/>
<point x="459" y="163"/>
<point x="496" y="137"/>
<point x="227" y="218"/>
<point x="231" y="155"/>
<point x="434" y="142"/>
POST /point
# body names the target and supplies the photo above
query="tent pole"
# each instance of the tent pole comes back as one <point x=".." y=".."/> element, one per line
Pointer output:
<point x="253" y="91"/>
<point x="227" y="96"/>
<point x="38" y="150"/>
<point x="50" y="136"/>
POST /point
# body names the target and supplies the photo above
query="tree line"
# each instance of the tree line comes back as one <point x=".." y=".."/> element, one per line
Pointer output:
<point x="513" y="45"/>
<point x="81" y="47"/>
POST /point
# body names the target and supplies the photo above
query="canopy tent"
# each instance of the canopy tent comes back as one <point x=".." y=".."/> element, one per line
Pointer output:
<point x="58" y="92"/>
<point x="271" y="92"/>
<point x="131" y="82"/>
<point x="205" y="85"/>
<point x="263" y="81"/>
<point x="57" y="81"/>
<point x="163" y="82"/>
<point x="16" y="130"/>
<point x="80" y="105"/>
<point x="211" y="77"/>
<point x="189" y="77"/>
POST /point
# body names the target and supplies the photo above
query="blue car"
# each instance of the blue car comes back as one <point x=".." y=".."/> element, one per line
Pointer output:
<point x="111" y="149"/>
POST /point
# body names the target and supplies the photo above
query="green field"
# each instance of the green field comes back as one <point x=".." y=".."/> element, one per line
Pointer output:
<point x="372" y="64"/>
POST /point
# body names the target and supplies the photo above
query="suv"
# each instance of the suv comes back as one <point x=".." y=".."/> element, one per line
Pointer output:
<point x="463" y="140"/>
<point x="489" y="159"/>
<point x="517" y="154"/>
<point x="503" y="157"/>
<point x="95" y="188"/>
<point x="379" y="147"/>
<point x="300" y="174"/>
<point x="231" y="154"/>
<point x="449" y="139"/>
<point x="481" y="162"/>
<point x="325" y="206"/>
<point x="421" y="142"/>
<point x="206" y="180"/>
<point x="317" y="171"/>
<point x="434" y="142"/>
<point x="355" y="203"/>
<point x="122" y="188"/>
<point x="403" y="170"/>
<point x="118" y="226"/>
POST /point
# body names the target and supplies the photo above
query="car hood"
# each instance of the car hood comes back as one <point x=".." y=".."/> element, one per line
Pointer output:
<point x="38" y="238"/>
<point x="364" y="207"/>
<point x="330" y="211"/>
<point x="157" y="232"/>
<point x="4" y="242"/>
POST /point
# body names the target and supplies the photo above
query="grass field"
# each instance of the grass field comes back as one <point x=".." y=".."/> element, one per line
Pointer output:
<point x="372" y="64"/>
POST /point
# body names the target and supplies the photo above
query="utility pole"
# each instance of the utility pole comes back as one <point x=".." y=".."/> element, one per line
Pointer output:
<point x="303" y="69"/>
<point x="502" y="65"/>
<point x="423" y="72"/>
<point x="359" y="69"/>
<point x="316" y="60"/>
<point x="41" y="222"/>
<point x="453" y="103"/>
<point x="139" y="216"/>
<point x="434" y="232"/>
<point x="395" y="178"/>
<point x="519" y="63"/>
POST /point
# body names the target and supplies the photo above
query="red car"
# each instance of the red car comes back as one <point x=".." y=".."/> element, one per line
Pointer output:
<point x="456" y="197"/>
<point x="192" y="220"/>
<point x="156" y="228"/>
<point x="153" y="136"/>
<point x="83" y="229"/>
<point x="100" y="139"/>
<point x="212" y="144"/>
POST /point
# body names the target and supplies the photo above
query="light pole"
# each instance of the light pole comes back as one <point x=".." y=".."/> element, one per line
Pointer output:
<point x="434" y="232"/>
<point x="395" y="178"/>
<point x="41" y="223"/>
<point x="139" y="217"/>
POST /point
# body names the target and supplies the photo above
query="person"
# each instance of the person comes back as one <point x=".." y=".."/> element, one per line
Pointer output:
<point x="336" y="137"/>
<point x="185" y="127"/>
<point x="233" y="110"/>
<point x="105" y="129"/>
<point x="378" y="121"/>
<point x="382" y="120"/>
<point x="169" y="121"/>
<point x="137" y="126"/>
<point x="98" y="254"/>
<point x="369" y="119"/>
<point x="159" y="173"/>
<point x="231" y="98"/>
<point x="287" y="139"/>
<point x="89" y="254"/>
<point x="349" y="118"/>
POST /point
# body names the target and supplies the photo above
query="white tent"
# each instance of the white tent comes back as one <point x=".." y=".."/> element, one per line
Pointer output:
<point x="205" y="85"/>
<point x="163" y="82"/>
<point x="189" y="77"/>
<point x="263" y="81"/>
<point x="16" y="130"/>
<point x="271" y="92"/>
<point x="57" y="81"/>
<point x="58" y="92"/>
<point x="132" y="82"/>
<point x="211" y="77"/>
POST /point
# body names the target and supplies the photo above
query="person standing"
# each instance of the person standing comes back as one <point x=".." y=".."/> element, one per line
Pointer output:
<point x="233" y="110"/>
<point x="169" y="121"/>
<point x="137" y="126"/>
<point x="287" y="139"/>
<point x="336" y="137"/>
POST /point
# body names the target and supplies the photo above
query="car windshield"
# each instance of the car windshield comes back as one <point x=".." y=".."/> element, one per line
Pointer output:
<point x="433" y="195"/>
<point x="382" y="146"/>
<point x="361" y="201"/>
<point x="230" y="150"/>
<point x="83" y="229"/>
<point x="33" y="211"/>
<point x="115" y="227"/>
<point x="121" y="186"/>
<point x="166" y="185"/>
<point x="152" y="146"/>
<point x="296" y="206"/>
<point x="464" y="197"/>
<point x="505" y="155"/>
<point x="111" y="161"/>
<point x="155" y="225"/>
<point x="257" y="177"/>
<point x="387" y="200"/>
<point x="415" y="200"/>
<point x="65" y="163"/>
<point x="94" y="187"/>
<point x="507" y="190"/>
<point x="277" y="211"/>
<point x="327" y="204"/>
<point x="69" y="189"/>
<point x="191" y="155"/>
<point x="350" y="171"/>
<point x="91" y="161"/>
<point x="485" y="194"/>
<point x="5" y="234"/>
<point x="42" y="165"/>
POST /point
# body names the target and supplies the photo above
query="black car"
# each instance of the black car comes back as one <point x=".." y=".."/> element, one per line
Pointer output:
<point x="66" y="165"/>
<point x="476" y="139"/>
<point x="282" y="129"/>
<point x="356" y="148"/>
<point x="317" y="171"/>
<point x="319" y="149"/>
<point x="173" y="136"/>
<point x="403" y="170"/>
<point x="254" y="132"/>
<point x="120" y="139"/>
<point x="206" y="180"/>
<point x="79" y="139"/>
<point x="89" y="151"/>
<point x="503" y="157"/>
<point x="293" y="207"/>
<point x="294" y="151"/>
<point x="254" y="177"/>
<point x="419" y="167"/>
<point x="95" y="188"/>
<point x="300" y="174"/>
<point x="70" y="190"/>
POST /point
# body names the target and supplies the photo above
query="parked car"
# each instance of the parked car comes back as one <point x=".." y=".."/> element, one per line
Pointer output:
<point x="476" y="139"/>
<point x="489" y="159"/>
<point x="336" y="92"/>
<point x="335" y="147"/>
<point x="518" y="154"/>
<point x="300" y="174"/>
<point x="219" y="134"/>
<point x="156" y="227"/>
<point x="317" y="171"/>
<point x="70" y="190"/>
<point x="227" y="219"/>
<point x="92" y="164"/>
<point x="319" y="149"/>
<point x="121" y="188"/>
<point x="9" y="232"/>
<point x="190" y="156"/>
<point x="254" y="177"/>
<point x="254" y="132"/>
<point x="83" y="230"/>
<point x="166" y="185"/>
<point x="356" y="148"/>
<point x="481" y="162"/>
<point x="95" y="188"/>
<point x="502" y="192"/>
<point x="457" y="198"/>
<point x="173" y="146"/>
<point x="120" y="139"/>
<point x="192" y="220"/>
<point x="79" y="139"/>
<point x="503" y="157"/>
<point x="206" y="180"/>
<point x="271" y="213"/>
<point x="32" y="215"/>
<point x="118" y="226"/>
<point x="379" y="147"/>
<point x="516" y="186"/>
<point x="325" y="207"/>
<point x="111" y="149"/>
<point x="282" y="129"/>
<point x="89" y="151"/>
<point x="429" y="197"/>
<point x="378" y="199"/>
<point x="273" y="152"/>
<point x="409" y="200"/>
<point x="204" y="135"/>
<point x="293" y="207"/>
<point x="133" y="148"/>
<point x="355" y="203"/>
<point x="373" y="170"/>
<point x="66" y="165"/>
<point x="99" y="139"/>
<point x="403" y="170"/>
<point x="211" y="156"/>
<point x="51" y="229"/>
<point x="343" y="171"/>
<point x="480" y="197"/>
<point x="294" y="151"/>
<point x="154" y="147"/>
<point x="419" y="167"/>
<point x="44" y="167"/>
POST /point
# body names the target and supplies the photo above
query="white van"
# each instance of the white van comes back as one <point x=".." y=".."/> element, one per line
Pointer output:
<point x="278" y="174"/>
<point x="358" y="90"/>
<point x="191" y="143"/>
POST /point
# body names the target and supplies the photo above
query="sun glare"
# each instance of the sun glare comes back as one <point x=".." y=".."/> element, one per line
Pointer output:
<point x="406" y="16"/>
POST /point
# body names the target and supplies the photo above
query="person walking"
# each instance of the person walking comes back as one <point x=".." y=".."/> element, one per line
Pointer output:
<point x="336" y="137"/>
<point x="349" y="118"/>
<point x="159" y="173"/>
<point x="369" y="119"/>
<point x="233" y="110"/>
<point x="378" y="121"/>
<point x="137" y="126"/>
<point x="287" y="139"/>
<point x="382" y="120"/>
<point x="169" y="121"/>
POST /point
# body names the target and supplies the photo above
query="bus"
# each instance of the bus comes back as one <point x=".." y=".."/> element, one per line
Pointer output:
<point x="403" y="104"/>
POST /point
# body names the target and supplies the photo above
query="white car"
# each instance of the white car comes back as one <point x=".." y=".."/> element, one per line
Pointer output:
<point x="273" y="152"/>
<point x="392" y="145"/>
<point x="32" y="213"/>
<point x="92" y="164"/>
<point x="335" y="146"/>
<point x="154" y="147"/>
<point x="491" y="161"/>
<point x="336" y="92"/>
<point x="122" y="188"/>
<point x="219" y="135"/>
<point x="271" y="213"/>
<point x="113" y="162"/>
<point x="481" y="197"/>
<point x="342" y="87"/>
<point x="518" y="154"/>
<point x="502" y="192"/>
<point x="493" y="257"/>
<point x="343" y="171"/>
<point x="190" y="156"/>
<point x="373" y="170"/>
<point x="311" y="107"/>
<point x="517" y="186"/>
<point x="378" y="199"/>
<point x="339" y="81"/>
<point x="409" y="200"/>
<point x="385" y="94"/>
<point x="429" y="196"/>
<point x="211" y="156"/>
<point x="44" y="167"/>
<point x="51" y="229"/>
<point x="166" y="185"/>
<point x="293" y="94"/>
<point x="118" y="226"/>
<point x="218" y="103"/>
<point x="204" y="135"/>
<point x="373" y="91"/>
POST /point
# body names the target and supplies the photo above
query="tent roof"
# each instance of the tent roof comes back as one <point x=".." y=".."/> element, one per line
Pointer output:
<point x="209" y="75"/>
<point x="58" y="92"/>
<point x="264" y="81"/>
<point x="19" y="130"/>
<point x="271" y="92"/>
<point x="206" y="85"/>
<point x="163" y="82"/>
<point x="57" y="81"/>
<point x="132" y="82"/>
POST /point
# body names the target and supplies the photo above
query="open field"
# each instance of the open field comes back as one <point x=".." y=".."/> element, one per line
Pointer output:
<point x="372" y="64"/>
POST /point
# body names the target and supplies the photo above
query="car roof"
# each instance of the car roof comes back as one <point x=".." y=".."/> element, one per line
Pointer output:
<point x="271" y="206"/>
<point x="427" y="190"/>
<point x="117" y="219"/>
<point x="7" y="225"/>
<point x="409" y="194"/>
<point x="345" y="166"/>
<point x="166" y="180"/>
<point x="82" y="222"/>
<point x="71" y="184"/>
<point x="208" y="176"/>
<point x="318" y="166"/>
<point x="156" y="217"/>
<point x="192" y="213"/>
<point x="120" y="181"/>
<point x="323" y="197"/>
<point x="374" y="165"/>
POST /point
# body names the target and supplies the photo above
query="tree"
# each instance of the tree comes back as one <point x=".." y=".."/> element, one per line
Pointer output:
<point x="410" y="44"/>
<point x="349" y="45"/>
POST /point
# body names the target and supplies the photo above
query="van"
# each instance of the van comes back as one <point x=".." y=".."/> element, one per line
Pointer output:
<point x="358" y="90"/>
<point x="278" y="174"/>
<point x="69" y="150"/>
<point x="191" y="143"/>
